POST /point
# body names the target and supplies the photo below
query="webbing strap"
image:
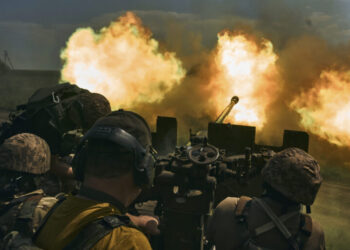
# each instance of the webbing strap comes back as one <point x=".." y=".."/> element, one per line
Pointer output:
<point x="305" y="230"/>
<point x="270" y="225"/>
<point x="307" y="227"/>
<point x="60" y="198"/>
<point x="279" y="224"/>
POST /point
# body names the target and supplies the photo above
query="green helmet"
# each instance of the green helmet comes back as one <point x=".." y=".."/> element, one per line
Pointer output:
<point x="295" y="174"/>
<point x="26" y="153"/>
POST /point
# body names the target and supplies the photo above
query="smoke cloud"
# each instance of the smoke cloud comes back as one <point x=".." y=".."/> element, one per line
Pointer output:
<point x="302" y="54"/>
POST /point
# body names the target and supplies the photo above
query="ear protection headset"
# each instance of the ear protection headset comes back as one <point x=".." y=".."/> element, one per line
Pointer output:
<point x="144" y="158"/>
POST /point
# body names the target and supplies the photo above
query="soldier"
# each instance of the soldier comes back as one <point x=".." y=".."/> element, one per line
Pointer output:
<point x="25" y="161"/>
<point x="274" y="221"/>
<point x="24" y="166"/>
<point x="114" y="162"/>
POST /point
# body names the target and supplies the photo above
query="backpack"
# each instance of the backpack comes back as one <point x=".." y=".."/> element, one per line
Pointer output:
<point x="295" y="242"/>
<point x="33" y="211"/>
<point x="46" y="114"/>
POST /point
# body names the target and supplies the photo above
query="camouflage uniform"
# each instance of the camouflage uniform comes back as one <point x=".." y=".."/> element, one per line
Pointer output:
<point x="21" y="221"/>
<point x="292" y="178"/>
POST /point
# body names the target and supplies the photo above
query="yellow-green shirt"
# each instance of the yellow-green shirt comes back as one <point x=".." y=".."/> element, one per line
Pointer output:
<point x="70" y="217"/>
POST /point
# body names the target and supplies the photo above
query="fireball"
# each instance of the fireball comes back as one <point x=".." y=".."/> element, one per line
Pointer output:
<point x="122" y="62"/>
<point x="247" y="69"/>
<point x="325" y="109"/>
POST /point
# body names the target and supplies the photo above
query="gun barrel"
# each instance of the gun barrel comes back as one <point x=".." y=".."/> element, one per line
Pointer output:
<point x="221" y="118"/>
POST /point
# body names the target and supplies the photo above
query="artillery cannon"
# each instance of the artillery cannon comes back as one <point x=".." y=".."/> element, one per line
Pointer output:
<point x="194" y="178"/>
<point x="221" y="118"/>
<point x="185" y="189"/>
<point x="200" y="135"/>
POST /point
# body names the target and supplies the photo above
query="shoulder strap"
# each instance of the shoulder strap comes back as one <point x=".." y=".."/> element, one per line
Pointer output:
<point x="270" y="225"/>
<point x="279" y="224"/>
<point x="305" y="229"/>
<point x="95" y="231"/>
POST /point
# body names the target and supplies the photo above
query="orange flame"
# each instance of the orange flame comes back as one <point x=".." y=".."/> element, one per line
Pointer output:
<point x="325" y="109"/>
<point x="122" y="62"/>
<point x="248" y="70"/>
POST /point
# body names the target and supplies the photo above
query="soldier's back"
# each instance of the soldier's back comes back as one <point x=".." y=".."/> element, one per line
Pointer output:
<point x="227" y="230"/>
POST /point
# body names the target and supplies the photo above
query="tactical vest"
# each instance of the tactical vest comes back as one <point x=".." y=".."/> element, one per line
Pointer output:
<point x="295" y="242"/>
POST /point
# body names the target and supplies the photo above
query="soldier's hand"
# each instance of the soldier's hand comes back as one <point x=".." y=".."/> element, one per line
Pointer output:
<point x="60" y="168"/>
<point x="149" y="224"/>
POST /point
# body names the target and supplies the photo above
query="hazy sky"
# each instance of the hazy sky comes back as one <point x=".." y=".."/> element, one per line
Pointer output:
<point x="34" y="31"/>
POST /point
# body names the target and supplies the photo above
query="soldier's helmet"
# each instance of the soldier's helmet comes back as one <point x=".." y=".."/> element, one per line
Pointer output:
<point x="295" y="174"/>
<point x="26" y="153"/>
<point x="94" y="106"/>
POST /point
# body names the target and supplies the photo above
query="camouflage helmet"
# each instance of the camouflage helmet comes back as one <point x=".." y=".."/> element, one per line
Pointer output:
<point x="295" y="174"/>
<point x="95" y="106"/>
<point x="26" y="153"/>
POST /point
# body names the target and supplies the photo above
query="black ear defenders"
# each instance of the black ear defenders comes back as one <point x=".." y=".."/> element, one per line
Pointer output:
<point x="144" y="159"/>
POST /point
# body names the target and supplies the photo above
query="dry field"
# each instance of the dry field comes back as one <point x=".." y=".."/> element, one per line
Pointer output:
<point x="332" y="210"/>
